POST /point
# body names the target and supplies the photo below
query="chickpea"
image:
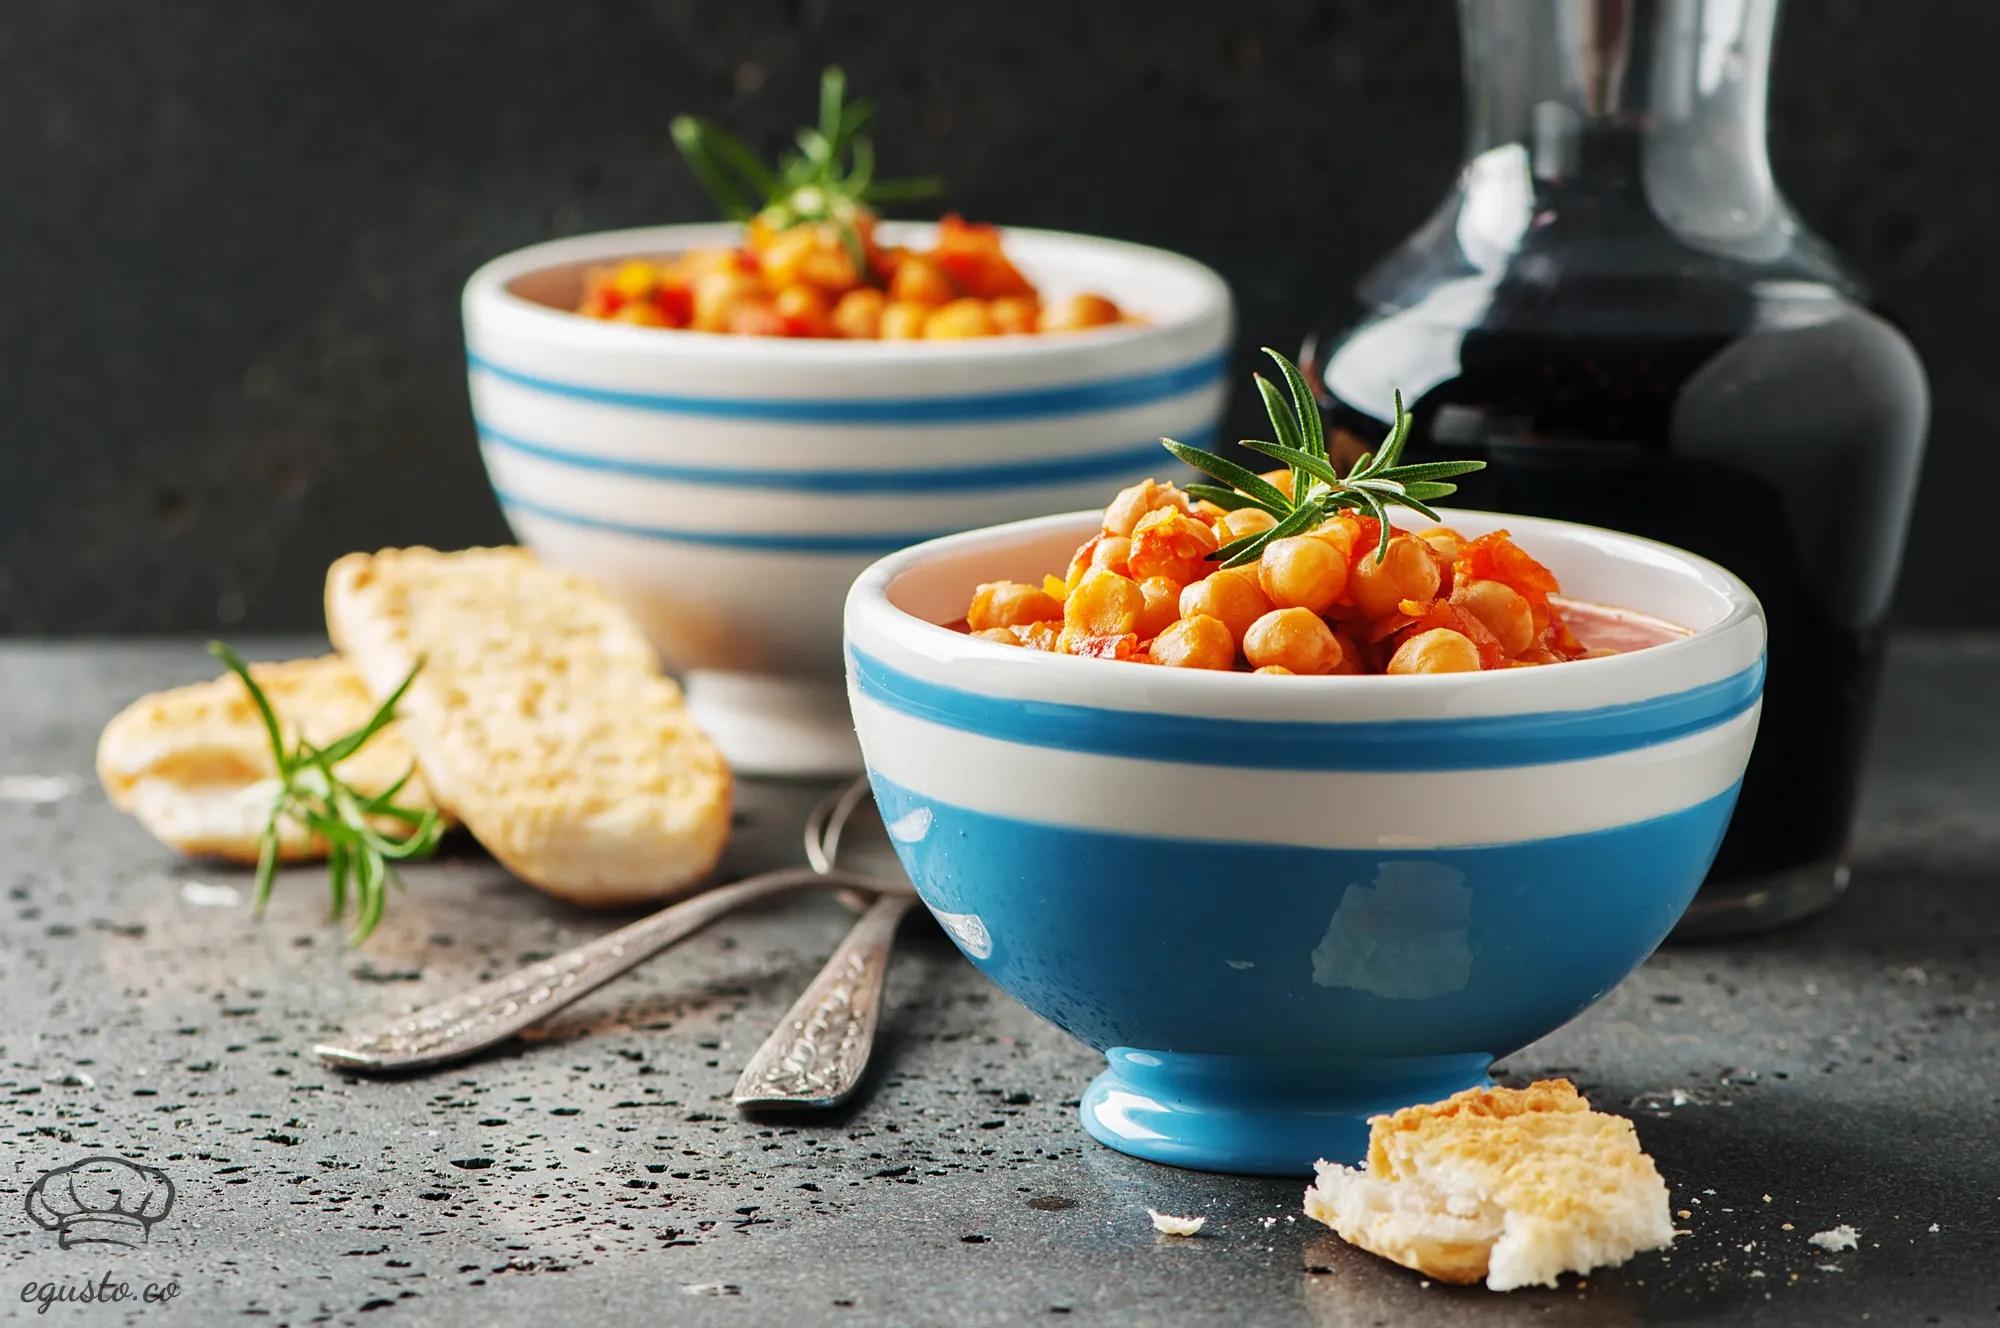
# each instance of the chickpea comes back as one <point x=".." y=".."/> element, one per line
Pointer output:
<point x="859" y="314"/>
<point x="1243" y="521"/>
<point x="1407" y="571"/>
<point x="1031" y="636"/>
<point x="1082" y="561"/>
<point x="1199" y="642"/>
<point x="1302" y="572"/>
<point x="1350" y="655"/>
<point x="1340" y="531"/>
<point x="1014" y="313"/>
<point x="1231" y="596"/>
<point x="959" y="319"/>
<point x="805" y="311"/>
<point x="1447" y="542"/>
<point x="1439" y="650"/>
<point x="829" y="266"/>
<point x="1010" y="604"/>
<point x="1124" y="645"/>
<point x="903" y="321"/>
<point x="754" y="318"/>
<point x="1114" y="554"/>
<point x="1103" y="604"/>
<point x="718" y="293"/>
<point x="1171" y="544"/>
<point x="1294" y="638"/>
<point x="784" y="254"/>
<point x="1502" y="609"/>
<point x="1078" y="312"/>
<point x="635" y="278"/>
<point x="640" y="313"/>
<point x="918" y="280"/>
<point x="1162" y="596"/>
<point x="1124" y="511"/>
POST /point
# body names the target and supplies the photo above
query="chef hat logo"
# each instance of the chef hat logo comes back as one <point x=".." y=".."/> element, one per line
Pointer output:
<point x="101" y="1200"/>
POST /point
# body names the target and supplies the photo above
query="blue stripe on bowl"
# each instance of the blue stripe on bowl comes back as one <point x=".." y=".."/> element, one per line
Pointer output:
<point x="868" y="542"/>
<point x="1052" y="470"/>
<point x="966" y="408"/>
<point x="1476" y="743"/>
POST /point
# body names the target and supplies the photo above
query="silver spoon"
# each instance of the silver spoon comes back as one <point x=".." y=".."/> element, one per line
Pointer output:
<point x="817" y="1055"/>
<point x="491" y="1013"/>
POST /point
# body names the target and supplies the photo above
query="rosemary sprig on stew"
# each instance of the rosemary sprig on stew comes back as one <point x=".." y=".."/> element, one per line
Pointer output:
<point x="830" y="178"/>
<point x="1373" y="484"/>
<point x="359" y="855"/>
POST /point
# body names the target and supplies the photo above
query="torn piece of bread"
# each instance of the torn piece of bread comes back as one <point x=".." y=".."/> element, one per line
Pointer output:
<point x="1513" y="1185"/>
<point x="540" y="717"/>
<point x="194" y="764"/>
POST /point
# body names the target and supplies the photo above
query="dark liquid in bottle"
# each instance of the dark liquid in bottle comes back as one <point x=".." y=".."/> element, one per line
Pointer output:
<point x="1781" y="441"/>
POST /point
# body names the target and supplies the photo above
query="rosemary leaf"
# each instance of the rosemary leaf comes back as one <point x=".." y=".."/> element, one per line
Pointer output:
<point x="312" y="796"/>
<point x="1373" y="484"/>
<point x="829" y="177"/>
<point x="1227" y="499"/>
<point x="1251" y="485"/>
<point x="1247" y="550"/>
<point x="1297" y="460"/>
<point x="1311" y="426"/>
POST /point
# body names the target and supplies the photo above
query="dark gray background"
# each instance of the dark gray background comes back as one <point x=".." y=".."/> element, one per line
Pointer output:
<point x="232" y="235"/>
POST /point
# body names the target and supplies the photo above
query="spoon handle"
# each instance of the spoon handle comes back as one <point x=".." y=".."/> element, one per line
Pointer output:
<point x="819" y="1051"/>
<point x="494" y="1011"/>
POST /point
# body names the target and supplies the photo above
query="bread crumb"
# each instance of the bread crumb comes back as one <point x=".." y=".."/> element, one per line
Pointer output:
<point x="1513" y="1187"/>
<point x="1767" y="1198"/>
<point x="1169" y="1225"/>
<point x="1828" y="1267"/>
<point x="1934" y="1227"/>
<point x="1842" y="1237"/>
<point x="37" y="790"/>
<point x="202" y="894"/>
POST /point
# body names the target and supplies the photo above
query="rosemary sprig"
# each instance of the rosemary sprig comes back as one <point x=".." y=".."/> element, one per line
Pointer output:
<point x="829" y="178"/>
<point x="359" y="856"/>
<point x="1373" y="484"/>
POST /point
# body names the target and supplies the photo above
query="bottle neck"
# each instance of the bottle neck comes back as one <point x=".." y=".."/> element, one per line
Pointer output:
<point x="1659" y="101"/>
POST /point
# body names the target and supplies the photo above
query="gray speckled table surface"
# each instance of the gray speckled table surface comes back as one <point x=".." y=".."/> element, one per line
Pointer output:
<point x="1843" y="1072"/>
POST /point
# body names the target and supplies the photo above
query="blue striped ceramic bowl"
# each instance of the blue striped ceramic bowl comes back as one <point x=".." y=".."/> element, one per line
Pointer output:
<point x="1279" y="905"/>
<point x="728" y="489"/>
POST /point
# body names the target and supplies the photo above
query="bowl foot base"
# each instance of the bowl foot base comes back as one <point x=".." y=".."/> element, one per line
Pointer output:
<point x="771" y="724"/>
<point x="1254" y="1116"/>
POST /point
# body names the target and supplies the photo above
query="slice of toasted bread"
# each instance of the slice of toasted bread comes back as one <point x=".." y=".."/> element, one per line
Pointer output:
<point x="540" y="717"/>
<point x="194" y="764"/>
<point x="1513" y="1185"/>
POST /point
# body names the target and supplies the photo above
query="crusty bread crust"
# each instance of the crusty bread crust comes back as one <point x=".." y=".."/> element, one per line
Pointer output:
<point x="540" y="716"/>
<point x="194" y="764"/>
<point x="1515" y="1186"/>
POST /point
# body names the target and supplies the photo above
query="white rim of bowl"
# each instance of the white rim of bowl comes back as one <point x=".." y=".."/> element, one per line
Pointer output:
<point x="488" y="286"/>
<point x="868" y="605"/>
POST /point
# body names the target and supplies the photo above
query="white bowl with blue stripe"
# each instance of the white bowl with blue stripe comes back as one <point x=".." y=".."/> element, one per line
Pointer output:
<point x="1280" y="905"/>
<point x="728" y="489"/>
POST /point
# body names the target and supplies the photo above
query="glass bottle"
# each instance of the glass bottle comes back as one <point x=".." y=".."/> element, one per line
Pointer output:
<point x="1616" y="309"/>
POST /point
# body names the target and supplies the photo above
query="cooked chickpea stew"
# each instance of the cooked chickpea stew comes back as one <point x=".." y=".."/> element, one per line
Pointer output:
<point x="807" y="280"/>
<point x="1145" y="590"/>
